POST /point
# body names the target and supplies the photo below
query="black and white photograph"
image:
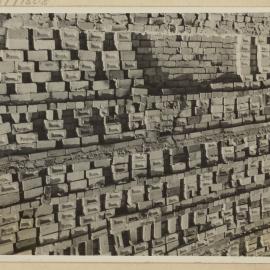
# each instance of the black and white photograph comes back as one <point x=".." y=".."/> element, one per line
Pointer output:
<point x="135" y="134"/>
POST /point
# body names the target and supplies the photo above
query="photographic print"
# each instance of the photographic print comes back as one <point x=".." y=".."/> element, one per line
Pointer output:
<point x="135" y="134"/>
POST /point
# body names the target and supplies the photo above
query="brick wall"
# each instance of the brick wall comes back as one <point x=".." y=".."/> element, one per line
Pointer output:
<point x="134" y="134"/>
